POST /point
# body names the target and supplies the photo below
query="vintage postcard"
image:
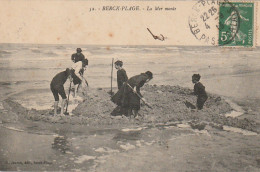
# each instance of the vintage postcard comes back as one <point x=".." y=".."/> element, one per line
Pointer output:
<point x="129" y="85"/>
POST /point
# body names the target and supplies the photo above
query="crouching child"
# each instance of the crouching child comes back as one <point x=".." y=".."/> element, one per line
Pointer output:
<point x="57" y="88"/>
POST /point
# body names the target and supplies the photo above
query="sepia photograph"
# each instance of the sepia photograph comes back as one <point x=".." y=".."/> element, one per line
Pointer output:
<point x="134" y="86"/>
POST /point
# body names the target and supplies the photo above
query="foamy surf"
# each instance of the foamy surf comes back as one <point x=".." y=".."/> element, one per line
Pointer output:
<point x="239" y="130"/>
<point x="237" y="110"/>
<point x="183" y="125"/>
<point x="132" y="129"/>
<point x="13" y="128"/>
<point x="106" y="150"/>
<point x="83" y="158"/>
<point x="234" y="106"/>
<point x="234" y="114"/>
<point x="127" y="146"/>
<point x="29" y="132"/>
<point x="202" y="132"/>
<point x="35" y="105"/>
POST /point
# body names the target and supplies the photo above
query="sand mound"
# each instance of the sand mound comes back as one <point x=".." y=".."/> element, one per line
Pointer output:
<point x="170" y="103"/>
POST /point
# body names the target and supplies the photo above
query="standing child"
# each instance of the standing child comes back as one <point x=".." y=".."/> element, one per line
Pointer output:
<point x="199" y="90"/>
<point x="57" y="89"/>
<point x="121" y="74"/>
<point x="78" y="56"/>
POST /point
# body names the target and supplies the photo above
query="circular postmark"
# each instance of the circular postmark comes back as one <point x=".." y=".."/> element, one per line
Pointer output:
<point x="214" y="22"/>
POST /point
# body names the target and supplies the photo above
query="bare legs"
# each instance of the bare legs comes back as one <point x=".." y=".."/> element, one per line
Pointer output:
<point x="63" y="102"/>
<point x="55" y="107"/>
<point x="62" y="106"/>
<point x="135" y="112"/>
<point x="75" y="90"/>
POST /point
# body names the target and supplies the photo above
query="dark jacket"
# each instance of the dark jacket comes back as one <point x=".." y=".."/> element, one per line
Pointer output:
<point x="77" y="57"/>
<point x="199" y="90"/>
<point x="60" y="79"/>
<point x="138" y="81"/>
<point x="121" y="78"/>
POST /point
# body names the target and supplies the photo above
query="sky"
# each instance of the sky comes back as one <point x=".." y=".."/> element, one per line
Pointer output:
<point x="72" y="22"/>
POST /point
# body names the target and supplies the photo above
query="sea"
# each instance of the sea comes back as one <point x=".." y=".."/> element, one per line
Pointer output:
<point x="27" y="69"/>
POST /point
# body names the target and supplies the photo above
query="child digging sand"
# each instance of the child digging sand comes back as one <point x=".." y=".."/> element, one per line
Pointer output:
<point x="57" y="88"/>
<point x="77" y="71"/>
<point x="199" y="90"/>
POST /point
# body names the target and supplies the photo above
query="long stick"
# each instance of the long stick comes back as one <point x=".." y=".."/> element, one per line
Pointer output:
<point x="85" y="80"/>
<point x="140" y="96"/>
<point x="68" y="99"/>
<point x="150" y="32"/>
<point x="86" y="83"/>
<point x="112" y="74"/>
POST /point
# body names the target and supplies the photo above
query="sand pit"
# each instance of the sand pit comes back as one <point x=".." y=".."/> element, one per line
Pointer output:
<point x="170" y="104"/>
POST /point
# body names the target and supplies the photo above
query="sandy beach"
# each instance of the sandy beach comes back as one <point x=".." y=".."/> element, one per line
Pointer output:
<point x="224" y="136"/>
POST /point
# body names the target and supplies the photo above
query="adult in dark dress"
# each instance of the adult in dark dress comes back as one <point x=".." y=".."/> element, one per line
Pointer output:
<point x="199" y="90"/>
<point x="121" y="74"/>
<point x="126" y="98"/>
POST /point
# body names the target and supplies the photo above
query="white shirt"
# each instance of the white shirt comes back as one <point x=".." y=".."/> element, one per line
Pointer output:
<point x="77" y="66"/>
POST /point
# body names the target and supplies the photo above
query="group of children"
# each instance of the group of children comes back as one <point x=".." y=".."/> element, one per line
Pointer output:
<point x="75" y="75"/>
<point x="128" y="95"/>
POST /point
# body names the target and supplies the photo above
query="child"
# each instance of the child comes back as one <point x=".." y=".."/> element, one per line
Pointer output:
<point x="121" y="74"/>
<point x="77" y="74"/>
<point x="199" y="90"/>
<point x="57" y="89"/>
<point x="78" y="56"/>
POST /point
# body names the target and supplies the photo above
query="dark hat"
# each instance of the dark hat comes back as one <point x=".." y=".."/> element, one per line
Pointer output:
<point x="119" y="63"/>
<point x="68" y="71"/>
<point x="149" y="74"/>
<point x="79" y="50"/>
<point x="196" y="77"/>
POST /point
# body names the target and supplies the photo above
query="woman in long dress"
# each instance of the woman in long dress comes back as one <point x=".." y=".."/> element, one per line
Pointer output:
<point x="127" y="98"/>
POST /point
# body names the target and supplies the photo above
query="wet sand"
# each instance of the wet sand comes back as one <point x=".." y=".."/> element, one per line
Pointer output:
<point x="170" y="137"/>
<point x="218" y="151"/>
<point x="40" y="146"/>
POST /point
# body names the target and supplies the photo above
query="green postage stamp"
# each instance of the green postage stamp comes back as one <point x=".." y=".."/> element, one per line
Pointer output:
<point x="224" y="23"/>
<point x="236" y="24"/>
